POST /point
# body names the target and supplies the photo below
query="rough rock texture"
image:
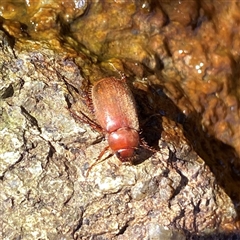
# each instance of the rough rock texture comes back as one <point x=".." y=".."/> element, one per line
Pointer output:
<point x="45" y="155"/>
<point x="188" y="188"/>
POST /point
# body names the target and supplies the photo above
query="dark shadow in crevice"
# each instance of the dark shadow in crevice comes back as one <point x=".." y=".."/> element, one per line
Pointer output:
<point x="216" y="236"/>
<point x="221" y="158"/>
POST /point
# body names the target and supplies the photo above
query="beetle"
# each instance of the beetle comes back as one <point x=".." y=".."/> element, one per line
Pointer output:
<point x="115" y="112"/>
<point x="116" y="117"/>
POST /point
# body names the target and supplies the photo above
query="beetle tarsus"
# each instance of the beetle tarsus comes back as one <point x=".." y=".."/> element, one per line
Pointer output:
<point x="97" y="161"/>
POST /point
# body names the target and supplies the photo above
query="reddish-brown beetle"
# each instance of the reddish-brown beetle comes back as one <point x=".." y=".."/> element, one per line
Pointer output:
<point x="115" y="112"/>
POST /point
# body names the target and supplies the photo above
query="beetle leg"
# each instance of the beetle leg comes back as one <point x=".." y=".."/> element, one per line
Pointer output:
<point x="84" y="118"/>
<point x="123" y="76"/>
<point x="144" y="144"/>
<point x="97" y="161"/>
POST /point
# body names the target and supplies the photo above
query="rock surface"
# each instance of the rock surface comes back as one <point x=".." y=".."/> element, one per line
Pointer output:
<point x="181" y="62"/>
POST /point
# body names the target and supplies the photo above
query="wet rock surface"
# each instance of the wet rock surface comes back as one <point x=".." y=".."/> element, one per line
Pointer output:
<point x="181" y="62"/>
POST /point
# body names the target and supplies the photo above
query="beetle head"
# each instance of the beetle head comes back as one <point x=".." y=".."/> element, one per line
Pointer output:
<point x="123" y="143"/>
